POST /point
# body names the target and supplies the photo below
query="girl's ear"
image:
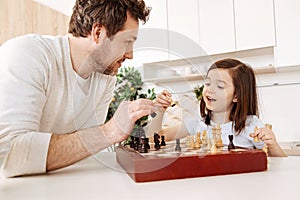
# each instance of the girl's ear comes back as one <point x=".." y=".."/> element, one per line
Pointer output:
<point x="235" y="100"/>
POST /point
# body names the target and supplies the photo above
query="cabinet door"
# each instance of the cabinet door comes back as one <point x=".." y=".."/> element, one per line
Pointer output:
<point x="183" y="21"/>
<point x="287" y="17"/>
<point x="254" y="21"/>
<point x="152" y="43"/>
<point x="216" y="26"/>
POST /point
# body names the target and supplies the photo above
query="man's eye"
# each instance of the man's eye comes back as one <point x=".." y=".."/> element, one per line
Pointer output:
<point x="128" y="43"/>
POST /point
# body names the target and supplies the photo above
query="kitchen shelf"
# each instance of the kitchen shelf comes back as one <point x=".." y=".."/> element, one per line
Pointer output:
<point x="194" y="69"/>
<point x="197" y="77"/>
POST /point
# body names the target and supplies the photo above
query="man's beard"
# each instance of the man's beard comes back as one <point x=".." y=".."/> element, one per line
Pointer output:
<point x="101" y="61"/>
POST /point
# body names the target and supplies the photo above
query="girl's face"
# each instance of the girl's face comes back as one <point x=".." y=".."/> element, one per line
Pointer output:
<point x="219" y="91"/>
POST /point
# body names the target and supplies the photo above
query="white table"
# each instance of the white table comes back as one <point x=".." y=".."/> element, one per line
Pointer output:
<point x="100" y="177"/>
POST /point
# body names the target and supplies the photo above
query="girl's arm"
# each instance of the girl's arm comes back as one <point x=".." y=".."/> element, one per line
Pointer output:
<point x="266" y="135"/>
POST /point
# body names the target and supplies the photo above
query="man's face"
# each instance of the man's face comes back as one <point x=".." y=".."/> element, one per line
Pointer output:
<point x="113" y="51"/>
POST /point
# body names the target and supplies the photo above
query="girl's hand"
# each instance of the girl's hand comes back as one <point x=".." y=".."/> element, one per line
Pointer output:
<point x="163" y="99"/>
<point x="266" y="135"/>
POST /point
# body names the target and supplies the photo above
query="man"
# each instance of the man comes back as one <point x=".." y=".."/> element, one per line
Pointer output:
<point x="55" y="91"/>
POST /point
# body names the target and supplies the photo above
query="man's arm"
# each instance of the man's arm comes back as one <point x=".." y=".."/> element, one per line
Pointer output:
<point x="67" y="149"/>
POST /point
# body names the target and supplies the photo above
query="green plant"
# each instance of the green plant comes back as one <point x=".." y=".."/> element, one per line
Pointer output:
<point x="198" y="91"/>
<point x="129" y="87"/>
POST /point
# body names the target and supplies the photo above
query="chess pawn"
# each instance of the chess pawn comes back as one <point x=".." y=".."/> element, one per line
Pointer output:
<point x="156" y="141"/>
<point x="230" y="145"/>
<point x="163" y="142"/>
<point x="188" y="141"/>
<point x="213" y="148"/>
<point x="192" y="143"/>
<point x="177" y="148"/>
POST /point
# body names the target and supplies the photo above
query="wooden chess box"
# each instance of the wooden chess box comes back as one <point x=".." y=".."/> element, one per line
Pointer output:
<point x="167" y="164"/>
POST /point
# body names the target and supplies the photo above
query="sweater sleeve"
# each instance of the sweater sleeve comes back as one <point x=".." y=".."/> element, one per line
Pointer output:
<point x="22" y="98"/>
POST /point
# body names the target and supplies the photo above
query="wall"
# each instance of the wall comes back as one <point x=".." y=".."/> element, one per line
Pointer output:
<point x="19" y="17"/>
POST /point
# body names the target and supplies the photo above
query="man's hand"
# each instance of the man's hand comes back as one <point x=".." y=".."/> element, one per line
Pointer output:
<point x="122" y="123"/>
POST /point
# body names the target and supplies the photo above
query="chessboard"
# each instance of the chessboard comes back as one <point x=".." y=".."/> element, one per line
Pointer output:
<point x="165" y="163"/>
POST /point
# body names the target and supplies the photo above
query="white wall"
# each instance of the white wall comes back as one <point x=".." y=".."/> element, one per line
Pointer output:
<point x="62" y="6"/>
<point x="280" y="105"/>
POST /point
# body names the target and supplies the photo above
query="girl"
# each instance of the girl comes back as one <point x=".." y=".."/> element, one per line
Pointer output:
<point x="229" y="100"/>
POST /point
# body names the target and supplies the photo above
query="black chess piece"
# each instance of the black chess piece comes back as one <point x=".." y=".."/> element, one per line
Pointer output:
<point x="143" y="145"/>
<point x="153" y="114"/>
<point x="177" y="148"/>
<point x="230" y="145"/>
<point x="147" y="143"/>
<point x="156" y="141"/>
<point x="163" y="142"/>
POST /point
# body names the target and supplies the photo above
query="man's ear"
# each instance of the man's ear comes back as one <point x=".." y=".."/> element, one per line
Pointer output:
<point x="97" y="32"/>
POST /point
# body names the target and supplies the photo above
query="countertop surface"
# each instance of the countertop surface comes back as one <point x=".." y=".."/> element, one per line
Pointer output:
<point x="100" y="177"/>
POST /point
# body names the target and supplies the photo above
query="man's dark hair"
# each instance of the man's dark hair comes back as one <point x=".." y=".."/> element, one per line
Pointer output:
<point x="112" y="14"/>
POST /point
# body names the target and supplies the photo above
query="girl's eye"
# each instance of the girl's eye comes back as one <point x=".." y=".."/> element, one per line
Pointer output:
<point x="221" y="86"/>
<point x="207" y="84"/>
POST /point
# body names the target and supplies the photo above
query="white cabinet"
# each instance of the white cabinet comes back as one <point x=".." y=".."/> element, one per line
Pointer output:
<point x="235" y="25"/>
<point x="287" y="17"/>
<point x="152" y="44"/>
<point x="216" y="19"/>
<point x="183" y="25"/>
<point x="254" y="23"/>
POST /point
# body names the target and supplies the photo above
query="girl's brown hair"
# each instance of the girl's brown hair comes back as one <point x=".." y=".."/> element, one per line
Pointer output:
<point x="244" y="82"/>
<point x="112" y="14"/>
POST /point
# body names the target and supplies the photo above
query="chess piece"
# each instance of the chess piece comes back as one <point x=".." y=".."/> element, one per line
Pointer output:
<point x="265" y="148"/>
<point x="147" y="143"/>
<point x="192" y="143"/>
<point x="256" y="139"/>
<point x="163" y="142"/>
<point x="230" y="145"/>
<point x="188" y="141"/>
<point x="213" y="148"/>
<point x="177" y="148"/>
<point x="143" y="145"/>
<point x="198" y="138"/>
<point x="174" y="103"/>
<point x="219" y="142"/>
<point x="153" y="114"/>
<point x="156" y="141"/>
<point x="214" y="134"/>
<point x="204" y="138"/>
